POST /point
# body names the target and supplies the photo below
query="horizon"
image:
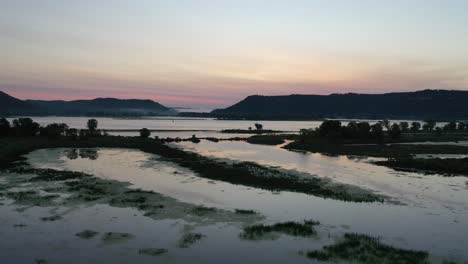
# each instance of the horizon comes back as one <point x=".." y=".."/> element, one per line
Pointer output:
<point x="205" y="54"/>
<point x="209" y="108"/>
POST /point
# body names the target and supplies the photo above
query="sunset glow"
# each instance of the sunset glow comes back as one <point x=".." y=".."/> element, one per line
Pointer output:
<point x="214" y="53"/>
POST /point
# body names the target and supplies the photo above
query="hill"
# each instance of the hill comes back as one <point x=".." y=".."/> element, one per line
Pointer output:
<point x="10" y="105"/>
<point x="439" y="104"/>
<point x="99" y="106"/>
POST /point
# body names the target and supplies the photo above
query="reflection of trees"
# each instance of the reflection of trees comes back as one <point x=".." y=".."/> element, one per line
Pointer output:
<point x="71" y="153"/>
<point x="91" y="154"/>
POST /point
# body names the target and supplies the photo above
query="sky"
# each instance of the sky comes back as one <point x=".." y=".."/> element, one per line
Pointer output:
<point x="213" y="53"/>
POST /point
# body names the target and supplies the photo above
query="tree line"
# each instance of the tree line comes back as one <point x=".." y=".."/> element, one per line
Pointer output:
<point x="26" y="127"/>
<point x="364" y="130"/>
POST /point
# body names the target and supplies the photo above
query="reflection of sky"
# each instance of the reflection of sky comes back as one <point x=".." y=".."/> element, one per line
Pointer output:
<point x="213" y="53"/>
<point x="432" y="202"/>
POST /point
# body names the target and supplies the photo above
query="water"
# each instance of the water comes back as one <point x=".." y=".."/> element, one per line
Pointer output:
<point x="433" y="217"/>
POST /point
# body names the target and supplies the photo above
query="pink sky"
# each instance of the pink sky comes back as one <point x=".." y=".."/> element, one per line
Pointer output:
<point x="214" y="53"/>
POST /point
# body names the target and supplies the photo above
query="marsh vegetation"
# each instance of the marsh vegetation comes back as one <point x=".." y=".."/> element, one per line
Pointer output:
<point x="364" y="249"/>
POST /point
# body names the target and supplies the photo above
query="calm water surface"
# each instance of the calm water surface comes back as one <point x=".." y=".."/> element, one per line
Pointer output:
<point x="434" y="216"/>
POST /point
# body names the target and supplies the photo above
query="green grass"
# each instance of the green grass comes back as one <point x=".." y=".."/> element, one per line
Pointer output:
<point x="256" y="232"/>
<point x="189" y="239"/>
<point x="266" y="140"/>
<point x="242" y="173"/>
<point x="152" y="251"/>
<point x="116" y="237"/>
<point x="87" y="234"/>
<point x="446" y="167"/>
<point x="326" y="146"/>
<point x="245" y="212"/>
<point x="364" y="249"/>
<point x="202" y="210"/>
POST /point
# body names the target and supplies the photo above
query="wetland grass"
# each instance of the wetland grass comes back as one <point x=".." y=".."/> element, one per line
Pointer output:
<point x="152" y="251"/>
<point x="116" y="237"/>
<point x="242" y="173"/>
<point x="260" y="231"/>
<point x="364" y="249"/>
<point x="87" y="234"/>
<point x="189" y="239"/>
<point x="266" y="140"/>
<point x="245" y="212"/>
<point x="445" y="167"/>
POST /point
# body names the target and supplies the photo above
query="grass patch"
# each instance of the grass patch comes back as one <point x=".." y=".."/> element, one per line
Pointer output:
<point x="243" y="173"/>
<point x="87" y="234"/>
<point x="446" y="167"/>
<point x="189" y="239"/>
<point x="364" y="249"/>
<point x="51" y="218"/>
<point x="245" y="212"/>
<point x="304" y="229"/>
<point x="85" y="189"/>
<point x="328" y="146"/>
<point x="116" y="237"/>
<point x="152" y="251"/>
<point x="31" y="197"/>
<point x="202" y="210"/>
<point x="266" y="140"/>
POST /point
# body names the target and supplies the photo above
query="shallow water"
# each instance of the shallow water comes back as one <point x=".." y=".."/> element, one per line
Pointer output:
<point x="433" y="218"/>
<point x="409" y="188"/>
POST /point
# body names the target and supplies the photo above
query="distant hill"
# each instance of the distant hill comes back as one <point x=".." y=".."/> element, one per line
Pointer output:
<point x="12" y="105"/>
<point x="440" y="104"/>
<point x="99" y="106"/>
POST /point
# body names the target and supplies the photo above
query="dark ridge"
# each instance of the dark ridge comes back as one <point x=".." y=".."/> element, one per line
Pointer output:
<point x="440" y="104"/>
<point x="99" y="106"/>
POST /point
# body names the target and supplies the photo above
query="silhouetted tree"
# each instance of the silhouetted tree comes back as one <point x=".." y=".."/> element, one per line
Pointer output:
<point x="429" y="124"/>
<point x="363" y="129"/>
<point x="84" y="133"/>
<point x="24" y="127"/>
<point x="304" y="134"/>
<point x="258" y="126"/>
<point x="4" y="127"/>
<point x="194" y="139"/>
<point x="71" y="132"/>
<point x="350" y="130"/>
<point x="145" y="133"/>
<point x="415" y="126"/>
<point x="53" y="130"/>
<point x="92" y="125"/>
<point x="395" y="131"/>
<point x="461" y="126"/>
<point x="385" y="123"/>
<point x="404" y="126"/>
<point x="330" y="128"/>
<point x="451" y="126"/>
<point x="376" y="131"/>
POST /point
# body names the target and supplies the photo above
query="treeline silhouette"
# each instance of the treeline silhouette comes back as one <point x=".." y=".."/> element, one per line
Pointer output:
<point x="26" y="127"/>
<point x="363" y="130"/>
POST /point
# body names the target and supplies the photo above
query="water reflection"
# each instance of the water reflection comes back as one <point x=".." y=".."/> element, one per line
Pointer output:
<point x="431" y="222"/>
